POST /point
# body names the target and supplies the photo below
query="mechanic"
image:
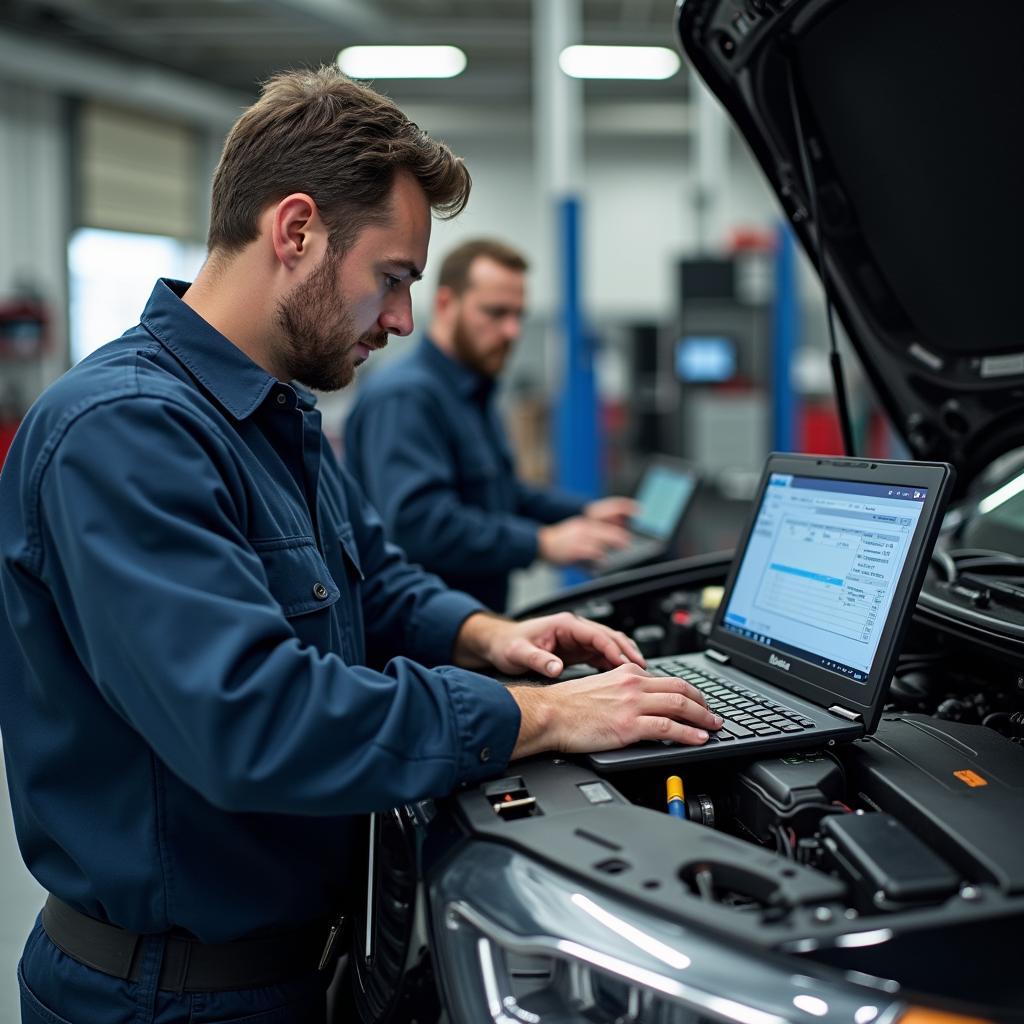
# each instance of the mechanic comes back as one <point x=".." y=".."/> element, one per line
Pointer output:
<point x="213" y="661"/>
<point x="426" y="442"/>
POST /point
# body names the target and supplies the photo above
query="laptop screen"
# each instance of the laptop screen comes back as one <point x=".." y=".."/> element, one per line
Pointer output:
<point x="662" y="496"/>
<point x="820" y="569"/>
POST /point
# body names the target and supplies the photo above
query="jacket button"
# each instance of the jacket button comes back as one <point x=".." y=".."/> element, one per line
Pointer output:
<point x="320" y="591"/>
<point x="282" y="398"/>
<point x="485" y="754"/>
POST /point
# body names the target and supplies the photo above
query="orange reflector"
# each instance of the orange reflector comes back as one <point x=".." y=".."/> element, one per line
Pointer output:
<point x="922" y="1015"/>
<point x="972" y="779"/>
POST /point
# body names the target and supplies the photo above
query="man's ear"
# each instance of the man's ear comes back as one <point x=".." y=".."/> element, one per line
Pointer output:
<point x="297" y="230"/>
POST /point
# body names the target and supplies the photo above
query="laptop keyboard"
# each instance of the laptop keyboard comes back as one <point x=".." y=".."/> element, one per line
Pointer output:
<point x="745" y="713"/>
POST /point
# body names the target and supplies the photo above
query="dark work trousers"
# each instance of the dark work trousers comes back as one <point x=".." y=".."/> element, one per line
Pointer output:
<point x="55" y="989"/>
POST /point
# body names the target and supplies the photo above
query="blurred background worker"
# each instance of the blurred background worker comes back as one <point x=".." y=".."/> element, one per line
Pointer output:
<point x="426" y="442"/>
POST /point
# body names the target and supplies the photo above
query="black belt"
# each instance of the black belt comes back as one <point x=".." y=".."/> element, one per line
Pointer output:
<point x="188" y="965"/>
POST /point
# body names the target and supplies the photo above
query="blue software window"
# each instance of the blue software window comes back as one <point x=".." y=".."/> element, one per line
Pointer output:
<point x="821" y="567"/>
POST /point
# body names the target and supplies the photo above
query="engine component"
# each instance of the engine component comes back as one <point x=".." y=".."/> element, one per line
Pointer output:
<point x="678" y="600"/>
<point x="596" y="609"/>
<point x="674" y="795"/>
<point x="701" y="809"/>
<point x="1007" y="723"/>
<point x="886" y="865"/>
<point x="510" y="799"/>
<point x="954" y="709"/>
<point x="793" y="791"/>
<point x="914" y="687"/>
<point x="684" y="635"/>
<point x="650" y="639"/>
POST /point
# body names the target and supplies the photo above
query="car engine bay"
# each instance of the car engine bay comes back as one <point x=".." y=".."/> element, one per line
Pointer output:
<point x="897" y="856"/>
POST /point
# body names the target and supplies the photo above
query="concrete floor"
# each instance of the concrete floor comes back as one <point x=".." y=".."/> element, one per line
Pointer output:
<point x="20" y="897"/>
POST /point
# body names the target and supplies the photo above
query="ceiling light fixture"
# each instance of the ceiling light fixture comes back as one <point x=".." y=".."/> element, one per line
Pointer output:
<point x="402" y="61"/>
<point x="638" y="62"/>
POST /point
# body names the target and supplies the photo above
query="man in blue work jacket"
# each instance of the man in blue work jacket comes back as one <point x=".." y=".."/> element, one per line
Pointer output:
<point x="213" y="661"/>
<point x="426" y="443"/>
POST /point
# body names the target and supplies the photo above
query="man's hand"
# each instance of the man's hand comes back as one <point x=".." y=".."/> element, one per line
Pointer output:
<point x="545" y="645"/>
<point x="579" y="539"/>
<point x="615" y="510"/>
<point x="609" y="711"/>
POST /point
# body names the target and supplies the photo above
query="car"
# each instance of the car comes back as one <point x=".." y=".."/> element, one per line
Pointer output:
<point x="881" y="881"/>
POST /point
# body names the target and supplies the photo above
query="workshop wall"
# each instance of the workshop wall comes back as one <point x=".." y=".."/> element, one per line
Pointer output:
<point x="34" y="197"/>
<point x="69" y="157"/>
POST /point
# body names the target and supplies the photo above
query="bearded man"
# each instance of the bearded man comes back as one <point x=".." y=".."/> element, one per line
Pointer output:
<point x="213" y="662"/>
<point x="425" y="441"/>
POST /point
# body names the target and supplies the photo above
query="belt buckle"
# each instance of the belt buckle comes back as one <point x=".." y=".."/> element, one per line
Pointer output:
<point x="332" y="937"/>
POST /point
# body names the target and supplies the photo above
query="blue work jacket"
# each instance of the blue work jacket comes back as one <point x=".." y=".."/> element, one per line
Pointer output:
<point x="193" y="591"/>
<point x="425" y="441"/>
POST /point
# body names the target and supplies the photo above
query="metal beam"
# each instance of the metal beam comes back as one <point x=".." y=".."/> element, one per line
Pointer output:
<point x="500" y="33"/>
<point x="69" y="70"/>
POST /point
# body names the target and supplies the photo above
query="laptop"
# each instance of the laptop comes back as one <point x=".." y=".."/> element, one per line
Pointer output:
<point x="663" y="493"/>
<point x="819" y="596"/>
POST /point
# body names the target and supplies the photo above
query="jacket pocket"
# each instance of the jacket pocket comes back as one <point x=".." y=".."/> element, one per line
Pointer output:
<point x="297" y="575"/>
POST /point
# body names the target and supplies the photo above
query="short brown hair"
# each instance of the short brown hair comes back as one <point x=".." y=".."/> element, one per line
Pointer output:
<point x="319" y="132"/>
<point x="454" y="271"/>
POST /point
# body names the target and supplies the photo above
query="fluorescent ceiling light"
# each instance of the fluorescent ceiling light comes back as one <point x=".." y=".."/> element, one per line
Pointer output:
<point x="402" y="61"/>
<point x="619" y="62"/>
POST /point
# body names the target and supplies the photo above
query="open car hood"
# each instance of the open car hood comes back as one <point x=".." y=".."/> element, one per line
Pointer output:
<point x="910" y="113"/>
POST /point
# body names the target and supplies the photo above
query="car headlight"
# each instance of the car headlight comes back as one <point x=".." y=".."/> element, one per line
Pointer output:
<point x="519" y="943"/>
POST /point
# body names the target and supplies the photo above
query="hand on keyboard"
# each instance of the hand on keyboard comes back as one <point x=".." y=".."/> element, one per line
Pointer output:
<point x="745" y="712"/>
<point x="611" y="710"/>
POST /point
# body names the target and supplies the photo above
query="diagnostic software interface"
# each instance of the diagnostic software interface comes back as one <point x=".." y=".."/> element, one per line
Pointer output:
<point x="821" y="567"/>
<point x="662" y="496"/>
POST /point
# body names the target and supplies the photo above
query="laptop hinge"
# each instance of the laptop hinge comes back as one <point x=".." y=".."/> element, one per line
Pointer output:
<point x="722" y="659"/>
<point x="845" y="713"/>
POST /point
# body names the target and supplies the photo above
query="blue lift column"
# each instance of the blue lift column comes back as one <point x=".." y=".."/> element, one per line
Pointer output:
<point x="558" y="119"/>
<point x="578" y="450"/>
<point x="785" y="341"/>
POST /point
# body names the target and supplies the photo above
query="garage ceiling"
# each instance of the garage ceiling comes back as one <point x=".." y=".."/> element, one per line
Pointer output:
<point x="236" y="43"/>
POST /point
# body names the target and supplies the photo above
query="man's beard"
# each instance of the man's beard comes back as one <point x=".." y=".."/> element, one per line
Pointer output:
<point x="489" y="365"/>
<point x="319" y="339"/>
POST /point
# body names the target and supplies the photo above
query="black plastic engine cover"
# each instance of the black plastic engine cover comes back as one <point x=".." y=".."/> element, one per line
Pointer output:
<point x="958" y="787"/>
<point x="888" y="866"/>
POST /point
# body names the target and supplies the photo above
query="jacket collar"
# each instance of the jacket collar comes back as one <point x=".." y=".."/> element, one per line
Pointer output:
<point x="465" y="380"/>
<point x="224" y="370"/>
